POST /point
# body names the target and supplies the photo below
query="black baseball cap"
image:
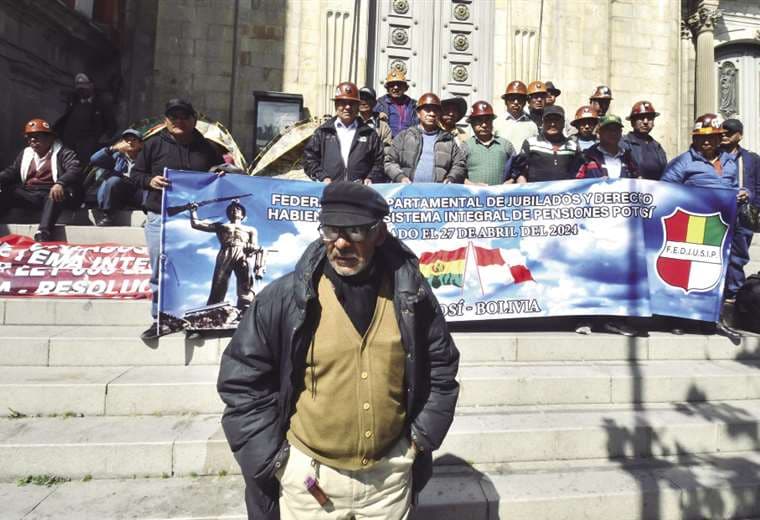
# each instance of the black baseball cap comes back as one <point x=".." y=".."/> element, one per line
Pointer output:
<point x="732" y="126"/>
<point x="179" y="104"/>
<point x="554" y="110"/>
<point x="132" y="132"/>
<point x="351" y="204"/>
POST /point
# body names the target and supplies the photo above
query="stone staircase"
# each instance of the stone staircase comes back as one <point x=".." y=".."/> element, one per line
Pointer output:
<point x="549" y="425"/>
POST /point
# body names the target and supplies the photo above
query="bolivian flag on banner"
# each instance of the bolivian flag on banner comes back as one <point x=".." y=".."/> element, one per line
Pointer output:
<point x="444" y="267"/>
<point x="691" y="253"/>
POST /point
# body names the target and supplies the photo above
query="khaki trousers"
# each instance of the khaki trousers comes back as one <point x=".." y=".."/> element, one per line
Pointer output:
<point x="382" y="491"/>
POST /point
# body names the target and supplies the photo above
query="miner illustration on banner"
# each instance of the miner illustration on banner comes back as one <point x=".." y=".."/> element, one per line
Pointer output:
<point x="238" y="244"/>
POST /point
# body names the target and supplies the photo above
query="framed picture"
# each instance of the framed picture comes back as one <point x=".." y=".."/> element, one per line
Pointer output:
<point x="272" y="112"/>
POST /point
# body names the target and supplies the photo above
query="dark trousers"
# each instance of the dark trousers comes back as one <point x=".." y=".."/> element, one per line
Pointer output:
<point x="38" y="197"/>
<point x="738" y="258"/>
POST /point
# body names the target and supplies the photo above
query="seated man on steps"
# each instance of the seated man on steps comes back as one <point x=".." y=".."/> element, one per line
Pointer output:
<point x="118" y="190"/>
<point x="45" y="175"/>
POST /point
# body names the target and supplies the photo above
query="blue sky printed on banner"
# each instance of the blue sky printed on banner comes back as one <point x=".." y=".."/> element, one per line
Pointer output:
<point x="603" y="268"/>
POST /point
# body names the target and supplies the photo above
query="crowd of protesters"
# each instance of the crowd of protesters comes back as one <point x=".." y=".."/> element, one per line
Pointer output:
<point x="388" y="139"/>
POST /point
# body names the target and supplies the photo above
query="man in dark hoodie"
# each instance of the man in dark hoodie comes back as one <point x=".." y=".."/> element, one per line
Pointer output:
<point x="345" y="148"/>
<point x="179" y="146"/>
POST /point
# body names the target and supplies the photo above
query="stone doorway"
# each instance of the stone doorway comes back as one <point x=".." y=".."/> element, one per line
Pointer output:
<point x="738" y="81"/>
<point x="444" y="46"/>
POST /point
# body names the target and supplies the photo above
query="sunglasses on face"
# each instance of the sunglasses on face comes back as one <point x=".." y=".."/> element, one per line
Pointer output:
<point x="350" y="233"/>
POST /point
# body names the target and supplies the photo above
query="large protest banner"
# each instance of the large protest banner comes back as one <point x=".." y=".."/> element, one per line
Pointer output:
<point x="581" y="247"/>
<point x="62" y="270"/>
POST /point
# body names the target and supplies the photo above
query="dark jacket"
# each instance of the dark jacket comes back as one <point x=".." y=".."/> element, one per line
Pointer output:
<point x="647" y="153"/>
<point x="594" y="167"/>
<point x="322" y="157"/>
<point x="162" y="151"/>
<point x="450" y="161"/>
<point x="263" y="367"/>
<point x="750" y="163"/>
<point x="539" y="161"/>
<point x="410" y="113"/>
<point x="68" y="173"/>
<point x="102" y="118"/>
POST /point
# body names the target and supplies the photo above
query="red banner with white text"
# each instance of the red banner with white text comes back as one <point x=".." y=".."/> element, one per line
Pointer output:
<point x="63" y="270"/>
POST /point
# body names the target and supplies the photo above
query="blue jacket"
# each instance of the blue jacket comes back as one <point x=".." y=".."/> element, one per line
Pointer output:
<point x="113" y="162"/>
<point x="692" y="169"/>
<point x="384" y="104"/>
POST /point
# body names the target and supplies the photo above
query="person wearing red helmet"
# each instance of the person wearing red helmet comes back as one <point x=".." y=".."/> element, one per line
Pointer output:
<point x="600" y="100"/>
<point x="515" y="125"/>
<point x="646" y="151"/>
<point x="586" y="119"/>
<point x="344" y="148"/>
<point x="488" y="157"/>
<point x="424" y="152"/>
<point x="45" y="175"/>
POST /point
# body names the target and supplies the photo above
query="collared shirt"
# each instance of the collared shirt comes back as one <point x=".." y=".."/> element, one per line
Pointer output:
<point x="345" y="137"/>
<point x="612" y="163"/>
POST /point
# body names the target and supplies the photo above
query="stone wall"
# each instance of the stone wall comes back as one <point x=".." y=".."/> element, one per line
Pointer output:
<point x="43" y="45"/>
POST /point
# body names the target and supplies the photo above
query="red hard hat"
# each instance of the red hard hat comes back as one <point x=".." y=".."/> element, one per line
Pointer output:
<point x="38" y="126"/>
<point x="642" y="107"/>
<point x="481" y="109"/>
<point x="584" y="112"/>
<point x="602" y="92"/>
<point x="347" y="91"/>
<point x="707" y="124"/>
<point x="428" y="99"/>
<point x="536" y="87"/>
<point x="516" y="87"/>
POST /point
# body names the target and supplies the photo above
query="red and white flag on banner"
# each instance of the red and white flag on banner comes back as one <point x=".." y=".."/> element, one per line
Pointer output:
<point x="63" y="270"/>
<point x="500" y="267"/>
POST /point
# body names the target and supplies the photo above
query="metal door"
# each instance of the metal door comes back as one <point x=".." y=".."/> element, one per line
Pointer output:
<point x="443" y="46"/>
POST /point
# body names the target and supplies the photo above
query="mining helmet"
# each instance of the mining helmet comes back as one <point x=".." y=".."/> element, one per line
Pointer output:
<point x="517" y="88"/>
<point x="707" y="124"/>
<point x="232" y="205"/>
<point x="537" y="87"/>
<point x="428" y="99"/>
<point x="642" y="107"/>
<point x="346" y="91"/>
<point x="584" y="112"/>
<point x="481" y="109"/>
<point x="602" y="92"/>
<point x="38" y="126"/>
<point x="395" y="76"/>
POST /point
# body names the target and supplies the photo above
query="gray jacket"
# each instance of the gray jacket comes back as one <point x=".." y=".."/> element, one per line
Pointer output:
<point x="402" y="157"/>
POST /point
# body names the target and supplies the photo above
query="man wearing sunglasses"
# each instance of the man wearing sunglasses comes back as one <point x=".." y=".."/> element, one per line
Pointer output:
<point x="340" y="380"/>
<point x="45" y="175"/>
<point x="179" y="146"/>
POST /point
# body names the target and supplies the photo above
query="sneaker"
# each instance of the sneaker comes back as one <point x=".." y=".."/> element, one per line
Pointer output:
<point x="619" y="327"/>
<point x="42" y="235"/>
<point x="102" y="218"/>
<point x="583" y="328"/>
<point x="155" y="331"/>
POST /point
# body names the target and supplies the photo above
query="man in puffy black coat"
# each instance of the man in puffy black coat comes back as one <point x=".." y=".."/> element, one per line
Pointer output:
<point x="345" y="148"/>
<point x="269" y="371"/>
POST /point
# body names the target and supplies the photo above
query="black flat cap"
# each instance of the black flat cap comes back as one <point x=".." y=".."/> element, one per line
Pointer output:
<point x="554" y="110"/>
<point x="179" y="104"/>
<point x="351" y="204"/>
<point x="367" y="92"/>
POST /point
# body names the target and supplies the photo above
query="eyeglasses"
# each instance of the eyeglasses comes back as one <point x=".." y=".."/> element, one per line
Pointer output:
<point x="350" y="233"/>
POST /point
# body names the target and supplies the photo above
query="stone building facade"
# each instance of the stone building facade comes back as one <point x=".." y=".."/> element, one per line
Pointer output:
<point x="685" y="56"/>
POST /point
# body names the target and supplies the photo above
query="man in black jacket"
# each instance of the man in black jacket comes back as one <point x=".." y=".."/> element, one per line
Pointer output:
<point x="347" y="408"/>
<point x="45" y="175"/>
<point x="345" y="148"/>
<point x="646" y="151"/>
<point x="179" y="146"/>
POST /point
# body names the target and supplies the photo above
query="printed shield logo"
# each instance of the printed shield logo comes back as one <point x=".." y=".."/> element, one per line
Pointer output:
<point x="691" y="257"/>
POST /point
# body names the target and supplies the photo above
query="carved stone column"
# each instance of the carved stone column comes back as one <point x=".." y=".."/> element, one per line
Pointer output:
<point x="702" y="24"/>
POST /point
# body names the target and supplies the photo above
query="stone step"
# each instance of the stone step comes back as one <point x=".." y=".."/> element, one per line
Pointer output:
<point x="120" y="345"/>
<point x="726" y="486"/>
<point x="192" y="389"/>
<point x="183" y="445"/>
<point x="124" y="235"/>
<point x="60" y="311"/>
